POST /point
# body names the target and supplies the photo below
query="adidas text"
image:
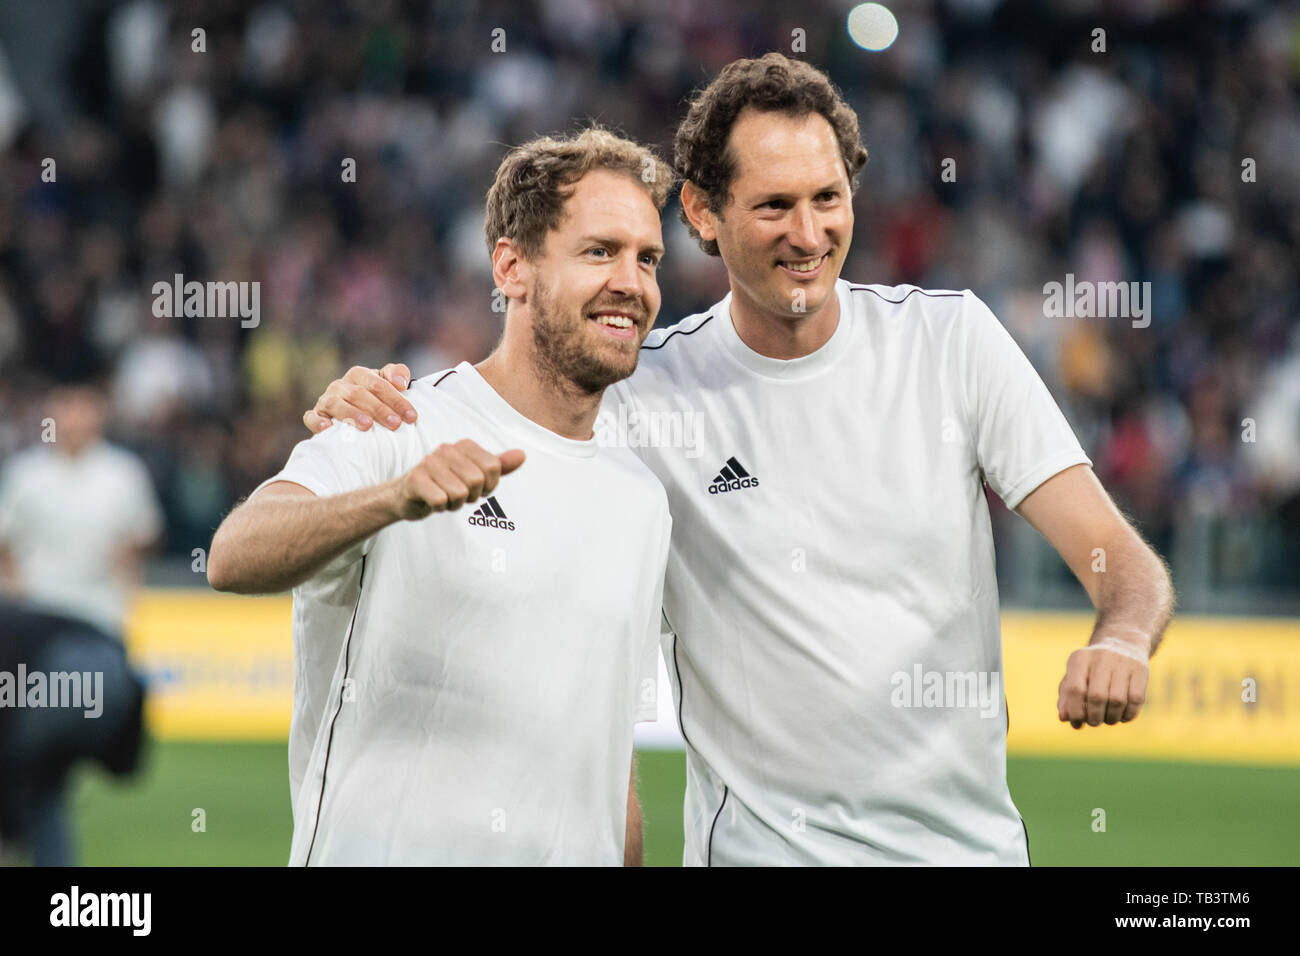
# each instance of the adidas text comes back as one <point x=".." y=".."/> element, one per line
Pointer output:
<point x="718" y="487"/>
<point x="491" y="522"/>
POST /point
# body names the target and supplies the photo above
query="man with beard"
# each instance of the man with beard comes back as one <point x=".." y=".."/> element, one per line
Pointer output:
<point x="834" y="639"/>
<point x="466" y="687"/>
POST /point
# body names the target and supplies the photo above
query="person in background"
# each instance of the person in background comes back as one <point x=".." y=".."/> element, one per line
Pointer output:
<point x="77" y="516"/>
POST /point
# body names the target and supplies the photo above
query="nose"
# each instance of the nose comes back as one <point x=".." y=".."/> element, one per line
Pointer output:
<point x="625" y="278"/>
<point x="803" y="234"/>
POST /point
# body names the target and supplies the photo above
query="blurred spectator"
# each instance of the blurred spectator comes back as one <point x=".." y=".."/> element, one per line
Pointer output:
<point x="76" y="516"/>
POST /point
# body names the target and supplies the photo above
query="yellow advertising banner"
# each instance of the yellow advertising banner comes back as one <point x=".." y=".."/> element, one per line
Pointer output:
<point x="1222" y="689"/>
<point x="219" y="666"/>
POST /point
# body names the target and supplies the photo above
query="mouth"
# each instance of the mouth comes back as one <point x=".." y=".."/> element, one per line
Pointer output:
<point x="616" y="323"/>
<point x="801" y="270"/>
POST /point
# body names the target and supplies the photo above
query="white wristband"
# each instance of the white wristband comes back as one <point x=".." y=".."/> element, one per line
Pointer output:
<point x="1121" y="646"/>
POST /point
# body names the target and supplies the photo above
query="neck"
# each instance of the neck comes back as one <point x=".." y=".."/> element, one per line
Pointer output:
<point x="559" y="406"/>
<point x="784" y="336"/>
<point x="71" y="450"/>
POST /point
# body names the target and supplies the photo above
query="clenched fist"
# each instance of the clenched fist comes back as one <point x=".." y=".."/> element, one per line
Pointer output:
<point x="449" y="476"/>
<point x="1105" y="682"/>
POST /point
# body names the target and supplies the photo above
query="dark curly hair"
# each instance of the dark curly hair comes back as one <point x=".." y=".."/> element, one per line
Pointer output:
<point x="772" y="83"/>
<point x="533" y="182"/>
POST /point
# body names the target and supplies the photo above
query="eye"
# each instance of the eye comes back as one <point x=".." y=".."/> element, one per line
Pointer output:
<point x="650" y="259"/>
<point x="828" y="196"/>
<point x="600" y="249"/>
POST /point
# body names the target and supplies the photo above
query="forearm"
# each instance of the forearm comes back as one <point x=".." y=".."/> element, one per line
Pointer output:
<point x="633" y="848"/>
<point x="129" y="561"/>
<point x="275" y="541"/>
<point x="9" y="577"/>
<point x="1134" y="595"/>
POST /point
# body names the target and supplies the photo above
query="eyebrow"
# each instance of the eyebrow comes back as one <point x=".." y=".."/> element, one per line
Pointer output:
<point x="768" y="197"/>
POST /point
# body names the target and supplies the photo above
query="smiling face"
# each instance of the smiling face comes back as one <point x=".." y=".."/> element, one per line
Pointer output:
<point x="785" y="231"/>
<point x="593" y="294"/>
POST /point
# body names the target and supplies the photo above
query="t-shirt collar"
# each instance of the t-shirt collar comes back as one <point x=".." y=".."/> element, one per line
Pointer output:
<point x="490" y="403"/>
<point x="787" y="369"/>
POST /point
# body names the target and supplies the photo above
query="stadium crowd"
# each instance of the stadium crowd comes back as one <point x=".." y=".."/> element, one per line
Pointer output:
<point x="1168" y="158"/>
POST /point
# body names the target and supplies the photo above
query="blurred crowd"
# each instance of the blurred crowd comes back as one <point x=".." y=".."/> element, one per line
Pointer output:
<point x="1166" y="156"/>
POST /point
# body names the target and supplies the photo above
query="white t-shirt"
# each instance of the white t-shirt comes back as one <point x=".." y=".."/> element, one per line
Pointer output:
<point x="467" y="684"/>
<point x="64" y="520"/>
<point x="830" y="588"/>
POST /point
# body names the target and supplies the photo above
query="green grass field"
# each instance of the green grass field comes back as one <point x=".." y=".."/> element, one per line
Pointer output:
<point x="1156" y="813"/>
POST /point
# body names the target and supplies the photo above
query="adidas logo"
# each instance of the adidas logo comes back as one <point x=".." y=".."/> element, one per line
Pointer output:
<point x="490" y="515"/>
<point x="733" y="477"/>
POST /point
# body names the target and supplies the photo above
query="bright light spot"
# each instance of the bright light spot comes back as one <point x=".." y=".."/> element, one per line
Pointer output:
<point x="872" y="26"/>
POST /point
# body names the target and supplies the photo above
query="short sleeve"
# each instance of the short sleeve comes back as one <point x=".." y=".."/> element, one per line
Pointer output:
<point x="1021" y="436"/>
<point x="343" y="459"/>
<point x="19" y="485"/>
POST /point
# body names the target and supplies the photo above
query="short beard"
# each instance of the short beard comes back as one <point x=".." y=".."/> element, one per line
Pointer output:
<point x="563" y="361"/>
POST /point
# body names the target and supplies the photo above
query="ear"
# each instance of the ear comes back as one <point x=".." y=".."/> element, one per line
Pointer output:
<point x="695" y="203"/>
<point x="509" y="269"/>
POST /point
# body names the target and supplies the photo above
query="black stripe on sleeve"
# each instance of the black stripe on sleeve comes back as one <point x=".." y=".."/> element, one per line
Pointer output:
<point x="677" y="332"/>
<point x="932" y="295"/>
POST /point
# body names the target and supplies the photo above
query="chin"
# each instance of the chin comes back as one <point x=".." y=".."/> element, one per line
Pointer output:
<point x="817" y="298"/>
